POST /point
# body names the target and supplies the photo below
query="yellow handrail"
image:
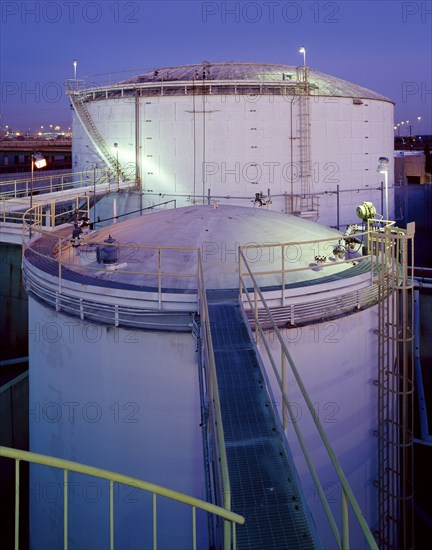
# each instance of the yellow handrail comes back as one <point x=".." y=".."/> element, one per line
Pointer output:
<point x="18" y="188"/>
<point x="113" y="477"/>
<point x="214" y="395"/>
<point x="347" y="494"/>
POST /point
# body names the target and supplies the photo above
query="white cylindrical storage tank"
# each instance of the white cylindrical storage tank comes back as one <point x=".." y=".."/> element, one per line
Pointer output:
<point x="226" y="131"/>
<point x="114" y="378"/>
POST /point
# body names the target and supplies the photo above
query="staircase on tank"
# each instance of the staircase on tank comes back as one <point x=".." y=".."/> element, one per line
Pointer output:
<point x="263" y="480"/>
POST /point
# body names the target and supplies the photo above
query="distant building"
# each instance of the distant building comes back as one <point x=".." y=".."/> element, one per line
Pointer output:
<point x="410" y="167"/>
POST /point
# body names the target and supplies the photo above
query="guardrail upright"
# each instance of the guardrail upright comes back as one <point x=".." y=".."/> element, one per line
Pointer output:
<point x="342" y="538"/>
<point x="207" y="342"/>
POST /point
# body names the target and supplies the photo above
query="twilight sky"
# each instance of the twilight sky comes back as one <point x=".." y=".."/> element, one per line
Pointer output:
<point x="383" y="45"/>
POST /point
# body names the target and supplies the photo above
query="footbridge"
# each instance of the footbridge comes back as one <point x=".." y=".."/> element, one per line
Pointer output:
<point x="58" y="195"/>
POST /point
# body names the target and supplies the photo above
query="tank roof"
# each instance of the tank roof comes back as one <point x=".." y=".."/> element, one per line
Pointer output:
<point x="217" y="233"/>
<point x="320" y="84"/>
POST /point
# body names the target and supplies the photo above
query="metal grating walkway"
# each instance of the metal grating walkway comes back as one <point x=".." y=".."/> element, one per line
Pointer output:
<point x="263" y="481"/>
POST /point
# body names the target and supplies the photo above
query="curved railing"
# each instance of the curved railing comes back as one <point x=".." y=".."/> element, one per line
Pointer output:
<point x="115" y="478"/>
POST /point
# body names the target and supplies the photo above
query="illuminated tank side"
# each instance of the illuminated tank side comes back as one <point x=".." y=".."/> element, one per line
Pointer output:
<point x="244" y="135"/>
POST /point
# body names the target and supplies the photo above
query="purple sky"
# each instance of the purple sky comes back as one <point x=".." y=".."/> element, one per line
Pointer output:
<point x="383" y="45"/>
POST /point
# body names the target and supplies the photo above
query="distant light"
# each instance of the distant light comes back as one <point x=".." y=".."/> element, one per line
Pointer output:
<point x="40" y="163"/>
<point x="57" y="128"/>
<point x="303" y="51"/>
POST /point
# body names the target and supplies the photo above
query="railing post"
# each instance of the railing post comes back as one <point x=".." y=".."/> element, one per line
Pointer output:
<point x="256" y="316"/>
<point x="59" y="264"/>
<point x="17" y="502"/>
<point x="283" y="275"/>
<point x="194" y="538"/>
<point x="154" y="523"/>
<point x="111" y="515"/>
<point x="65" y="509"/>
<point x="240" y="274"/>
<point x="284" y="411"/>
<point x="53" y="216"/>
<point x="159" y="280"/>
<point x="227" y="535"/>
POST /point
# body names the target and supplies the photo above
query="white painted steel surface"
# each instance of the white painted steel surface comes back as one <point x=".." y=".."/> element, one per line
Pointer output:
<point x="337" y="361"/>
<point x="238" y="144"/>
<point x="118" y="399"/>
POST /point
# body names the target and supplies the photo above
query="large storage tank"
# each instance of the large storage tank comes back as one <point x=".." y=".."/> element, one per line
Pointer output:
<point x="113" y="362"/>
<point x="231" y="130"/>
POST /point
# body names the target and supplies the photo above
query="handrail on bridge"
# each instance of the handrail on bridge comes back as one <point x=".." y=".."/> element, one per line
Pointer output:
<point x="342" y="539"/>
<point x="213" y="391"/>
<point x="54" y="183"/>
<point x="156" y="490"/>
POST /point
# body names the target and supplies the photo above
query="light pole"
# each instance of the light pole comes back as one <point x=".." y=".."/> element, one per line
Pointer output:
<point x="303" y="51"/>
<point x="36" y="160"/>
<point x="383" y="169"/>
<point x="75" y="63"/>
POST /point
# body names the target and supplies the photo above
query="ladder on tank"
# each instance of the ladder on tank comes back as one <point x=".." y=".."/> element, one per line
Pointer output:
<point x="93" y="132"/>
<point x="306" y="207"/>
<point x="395" y="391"/>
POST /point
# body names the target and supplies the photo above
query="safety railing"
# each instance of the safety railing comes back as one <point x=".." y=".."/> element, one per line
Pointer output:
<point x="294" y="204"/>
<point x="54" y="183"/>
<point x="46" y="216"/>
<point x="113" y="478"/>
<point x="330" y="257"/>
<point x="216" y="427"/>
<point x="342" y="537"/>
<point x="280" y="255"/>
<point x="55" y="252"/>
